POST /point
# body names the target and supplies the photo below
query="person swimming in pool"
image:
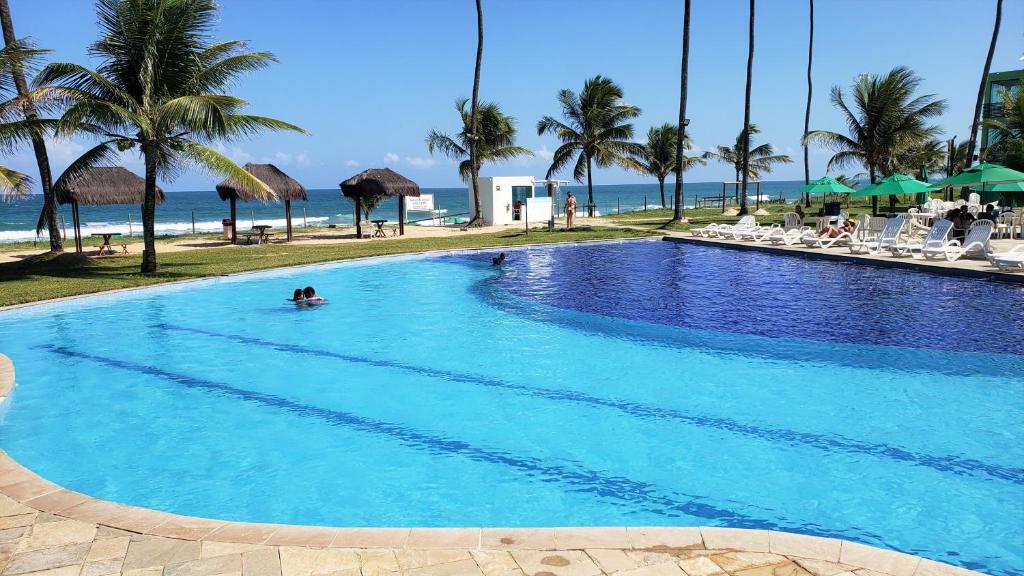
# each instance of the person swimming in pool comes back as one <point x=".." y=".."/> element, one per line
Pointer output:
<point x="298" y="295"/>
<point x="310" y="298"/>
<point x="499" y="259"/>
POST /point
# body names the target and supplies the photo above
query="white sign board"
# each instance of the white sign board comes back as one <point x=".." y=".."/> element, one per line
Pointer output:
<point x="538" y="209"/>
<point x="421" y="203"/>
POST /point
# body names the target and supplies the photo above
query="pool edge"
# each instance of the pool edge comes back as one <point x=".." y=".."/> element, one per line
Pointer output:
<point x="33" y="491"/>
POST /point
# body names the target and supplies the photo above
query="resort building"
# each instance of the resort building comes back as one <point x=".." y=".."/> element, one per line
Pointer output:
<point x="993" y="106"/>
<point x="507" y="200"/>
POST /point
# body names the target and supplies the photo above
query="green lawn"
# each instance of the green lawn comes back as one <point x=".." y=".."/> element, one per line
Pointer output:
<point x="68" y="274"/>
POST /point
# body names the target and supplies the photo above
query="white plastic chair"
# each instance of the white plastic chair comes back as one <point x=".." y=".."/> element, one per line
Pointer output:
<point x="889" y="236"/>
<point x="975" y="244"/>
<point x="974" y="199"/>
<point x="932" y="245"/>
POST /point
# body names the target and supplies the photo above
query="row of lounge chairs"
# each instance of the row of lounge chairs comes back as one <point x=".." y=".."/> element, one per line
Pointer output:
<point x="874" y="235"/>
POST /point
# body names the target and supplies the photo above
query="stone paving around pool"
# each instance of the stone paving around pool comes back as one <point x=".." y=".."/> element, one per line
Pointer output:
<point x="47" y="530"/>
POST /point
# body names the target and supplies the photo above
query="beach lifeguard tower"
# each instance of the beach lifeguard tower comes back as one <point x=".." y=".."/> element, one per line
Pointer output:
<point x="507" y="200"/>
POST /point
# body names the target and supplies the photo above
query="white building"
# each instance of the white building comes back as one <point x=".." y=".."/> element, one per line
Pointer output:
<point x="506" y="200"/>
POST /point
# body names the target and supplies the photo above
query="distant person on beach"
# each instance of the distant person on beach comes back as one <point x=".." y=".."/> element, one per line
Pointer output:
<point x="310" y="296"/>
<point x="570" y="209"/>
<point x="298" y="295"/>
<point x="499" y="259"/>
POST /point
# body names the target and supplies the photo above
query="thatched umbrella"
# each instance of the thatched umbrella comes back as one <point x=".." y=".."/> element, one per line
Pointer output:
<point x="103" y="186"/>
<point x="284" y="186"/>
<point x="377" y="181"/>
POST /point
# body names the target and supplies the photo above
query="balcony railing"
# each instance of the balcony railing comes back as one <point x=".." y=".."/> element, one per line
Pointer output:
<point x="993" y="111"/>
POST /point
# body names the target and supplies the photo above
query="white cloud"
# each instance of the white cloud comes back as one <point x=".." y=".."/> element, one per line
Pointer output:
<point x="544" y="153"/>
<point x="390" y="158"/>
<point x="351" y="163"/>
<point x="63" y="152"/>
<point x="302" y="159"/>
<point x="419" y="162"/>
<point x="282" y="158"/>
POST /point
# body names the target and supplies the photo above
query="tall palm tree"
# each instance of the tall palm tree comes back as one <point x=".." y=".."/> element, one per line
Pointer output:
<point x="984" y="80"/>
<point x="496" y="143"/>
<point x="474" y="114"/>
<point x="746" y="111"/>
<point x="658" y="157"/>
<point x="760" y="159"/>
<point x="930" y="154"/>
<point x="677" y="215"/>
<point x="596" y="130"/>
<point x="14" y="128"/>
<point x="159" y="88"/>
<point x="886" y="120"/>
<point x="16" y="69"/>
<point x="807" y="111"/>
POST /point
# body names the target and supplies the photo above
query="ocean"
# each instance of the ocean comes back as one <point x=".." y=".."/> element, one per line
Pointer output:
<point x="205" y="209"/>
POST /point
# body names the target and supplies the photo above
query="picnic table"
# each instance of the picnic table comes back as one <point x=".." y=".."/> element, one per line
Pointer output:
<point x="105" y="246"/>
<point x="378" y="231"/>
<point x="260" y="233"/>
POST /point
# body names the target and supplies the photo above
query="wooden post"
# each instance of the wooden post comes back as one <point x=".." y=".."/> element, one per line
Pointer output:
<point x="723" y="197"/>
<point x="304" y="224"/>
<point x="757" y="190"/>
<point x="401" y="215"/>
<point x="64" y="225"/>
<point x="359" y="218"/>
<point x="193" y="222"/>
<point x="130" y="224"/>
<point x="77" y="226"/>
<point x="234" y="224"/>
<point x="288" y="218"/>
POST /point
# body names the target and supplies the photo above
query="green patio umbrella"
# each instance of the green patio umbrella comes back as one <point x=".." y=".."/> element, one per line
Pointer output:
<point x="982" y="174"/>
<point x="826" y="185"/>
<point x="985" y="175"/>
<point x="894" y="184"/>
<point x="923" y="197"/>
<point x="1014" y="187"/>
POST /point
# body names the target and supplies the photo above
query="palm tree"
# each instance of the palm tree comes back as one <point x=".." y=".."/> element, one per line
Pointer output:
<point x="760" y="159"/>
<point x="886" y="120"/>
<point x="474" y="135"/>
<point x="159" y="87"/>
<point x="745" y="136"/>
<point x="677" y="215"/>
<point x="930" y="153"/>
<point x="596" y="130"/>
<point x="807" y="111"/>
<point x="16" y="68"/>
<point x="496" y="143"/>
<point x="658" y="156"/>
<point x="984" y="80"/>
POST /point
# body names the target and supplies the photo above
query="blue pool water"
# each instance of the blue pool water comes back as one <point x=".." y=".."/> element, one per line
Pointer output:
<point x="638" y="383"/>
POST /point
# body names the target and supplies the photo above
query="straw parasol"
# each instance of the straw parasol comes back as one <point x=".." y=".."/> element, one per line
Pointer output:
<point x="377" y="181"/>
<point x="103" y="186"/>
<point x="284" y="186"/>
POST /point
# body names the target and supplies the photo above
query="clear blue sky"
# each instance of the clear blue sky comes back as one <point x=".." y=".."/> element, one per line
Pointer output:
<point x="370" y="78"/>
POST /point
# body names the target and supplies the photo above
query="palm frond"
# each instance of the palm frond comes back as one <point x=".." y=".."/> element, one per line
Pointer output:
<point x="14" y="184"/>
<point x="219" y="165"/>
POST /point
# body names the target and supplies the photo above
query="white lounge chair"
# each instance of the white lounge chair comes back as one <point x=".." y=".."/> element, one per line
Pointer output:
<point x="843" y="239"/>
<point x="1010" y="261"/>
<point x="714" y="229"/>
<point x="933" y="243"/>
<point x="889" y="236"/>
<point x="975" y="244"/>
<point x="791" y="231"/>
<point x="746" y="223"/>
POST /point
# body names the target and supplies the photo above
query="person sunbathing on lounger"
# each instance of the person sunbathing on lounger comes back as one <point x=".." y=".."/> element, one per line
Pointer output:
<point x="834" y="231"/>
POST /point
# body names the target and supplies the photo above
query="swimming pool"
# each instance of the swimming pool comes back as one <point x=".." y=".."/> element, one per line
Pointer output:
<point x="631" y="383"/>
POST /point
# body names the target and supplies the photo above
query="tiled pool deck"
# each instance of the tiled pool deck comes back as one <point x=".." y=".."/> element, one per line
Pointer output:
<point x="966" y="267"/>
<point x="46" y="530"/>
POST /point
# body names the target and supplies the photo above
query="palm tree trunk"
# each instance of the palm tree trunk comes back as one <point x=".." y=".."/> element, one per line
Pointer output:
<point x="149" y="264"/>
<point x="661" y="185"/>
<point x="48" y="217"/>
<point x="474" y="173"/>
<point x="984" y="79"/>
<point x="677" y="213"/>
<point x="590" y="190"/>
<point x="807" y="112"/>
<point x="746" y="112"/>
<point x="874" y="199"/>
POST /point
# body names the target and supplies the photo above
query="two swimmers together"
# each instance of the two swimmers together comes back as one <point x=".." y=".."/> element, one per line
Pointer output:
<point x="307" y="297"/>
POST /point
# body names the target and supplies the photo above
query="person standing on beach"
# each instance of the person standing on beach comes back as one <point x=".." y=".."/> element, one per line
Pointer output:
<point x="570" y="210"/>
